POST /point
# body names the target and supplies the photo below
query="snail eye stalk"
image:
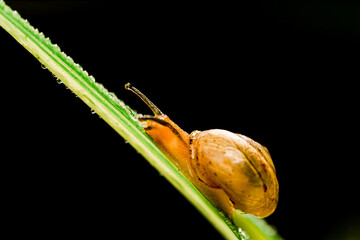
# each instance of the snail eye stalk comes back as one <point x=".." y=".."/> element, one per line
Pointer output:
<point x="152" y="106"/>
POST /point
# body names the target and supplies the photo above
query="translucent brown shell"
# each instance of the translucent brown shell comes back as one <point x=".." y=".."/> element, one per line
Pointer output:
<point x="241" y="167"/>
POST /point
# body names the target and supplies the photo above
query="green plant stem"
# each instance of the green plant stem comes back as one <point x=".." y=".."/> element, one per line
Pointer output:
<point x="121" y="118"/>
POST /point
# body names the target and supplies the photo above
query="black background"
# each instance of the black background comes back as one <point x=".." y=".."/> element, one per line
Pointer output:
<point x="283" y="73"/>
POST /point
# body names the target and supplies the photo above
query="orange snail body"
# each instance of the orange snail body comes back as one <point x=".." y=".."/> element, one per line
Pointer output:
<point x="230" y="170"/>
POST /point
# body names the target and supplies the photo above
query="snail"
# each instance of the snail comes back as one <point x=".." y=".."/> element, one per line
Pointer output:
<point x="231" y="170"/>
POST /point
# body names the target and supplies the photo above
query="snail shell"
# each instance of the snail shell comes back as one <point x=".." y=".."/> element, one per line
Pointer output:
<point x="241" y="167"/>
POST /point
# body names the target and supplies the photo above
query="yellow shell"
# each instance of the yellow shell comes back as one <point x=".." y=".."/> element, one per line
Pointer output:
<point x="240" y="166"/>
<point x="230" y="170"/>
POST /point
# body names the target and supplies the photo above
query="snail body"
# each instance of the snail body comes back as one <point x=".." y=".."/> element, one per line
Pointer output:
<point x="230" y="170"/>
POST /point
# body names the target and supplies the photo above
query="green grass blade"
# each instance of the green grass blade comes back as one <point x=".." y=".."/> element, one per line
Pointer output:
<point x="123" y="120"/>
